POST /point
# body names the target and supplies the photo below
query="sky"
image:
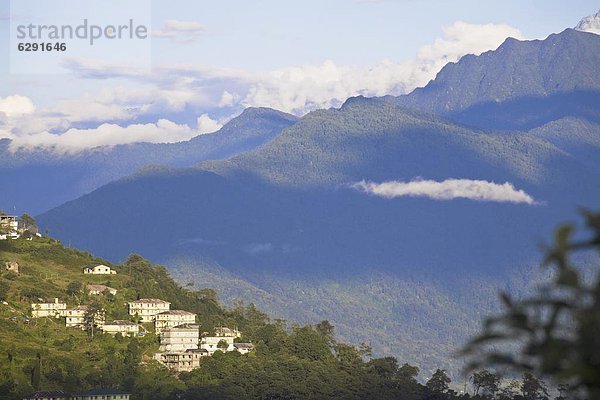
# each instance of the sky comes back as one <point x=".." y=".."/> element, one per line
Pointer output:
<point x="204" y="62"/>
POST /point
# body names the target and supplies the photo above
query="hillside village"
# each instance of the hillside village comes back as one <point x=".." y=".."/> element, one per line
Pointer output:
<point x="91" y="304"/>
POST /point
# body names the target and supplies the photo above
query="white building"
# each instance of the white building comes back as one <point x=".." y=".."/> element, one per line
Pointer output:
<point x="102" y="394"/>
<point x="119" y="326"/>
<point x="222" y="334"/>
<point x="243" y="348"/>
<point x="100" y="289"/>
<point x="9" y="223"/>
<point x="181" y="361"/>
<point x="147" y="309"/>
<point x="48" y="309"/>
<point x="75" y="317"/>
<point x="98" y="270"/>
<point x="180" y="338"/>
<point x="173" y="318"/>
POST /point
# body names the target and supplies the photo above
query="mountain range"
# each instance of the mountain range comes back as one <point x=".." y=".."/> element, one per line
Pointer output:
<point x="63" y="176"/>
<point x="293" y="225"/>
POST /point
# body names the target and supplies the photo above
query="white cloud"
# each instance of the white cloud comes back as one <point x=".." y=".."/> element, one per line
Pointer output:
<point x="301" y="89"/>
<point x="73" y="140"/>
<point x="180" y="31"/>
<point x="16" y="105"/>
<point x="198" y="90"/>
<point x="448" y="189"/>
<point x="207" y="124"/>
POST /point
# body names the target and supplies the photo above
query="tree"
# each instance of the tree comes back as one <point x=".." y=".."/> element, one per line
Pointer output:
<point x="533" y="388"/>
<point x="407" y="374"/>
<point x="93" y="313"/>
<point x="554" y="332"/>
<point x="36" y="372"/>
<point x="28" y="223"/>
<point x="439" y="382"/>
<point x="325" y="329"/>
<point x="74" y="288"/>
<point x="487" y="381"/>
<point x="131" y="363"/>
<point x="4" y="287"/>
<point x="223" y="345"/>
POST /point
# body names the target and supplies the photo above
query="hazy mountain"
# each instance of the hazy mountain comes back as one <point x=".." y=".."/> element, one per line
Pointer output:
<point x="42" y="178"/>
<point x="283" y="226"/>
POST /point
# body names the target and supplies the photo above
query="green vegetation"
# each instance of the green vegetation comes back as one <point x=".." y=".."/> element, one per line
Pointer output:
<point x="289" y="362"/>
<point x="555" y="332"/>
<point x="296" y="362"/>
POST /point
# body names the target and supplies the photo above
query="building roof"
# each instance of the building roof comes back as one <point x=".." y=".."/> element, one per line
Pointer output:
<point x="79" y="308"/>
<point x="50" y="301"/>
<point x="176" y="312"/>
<point x="120" y="322"/>
<point x="224" y="331"/>
<point x="41" y="394"/>
<point x="243" y="346"/>
<point x="185" y="326"/>
<point x="145" y="301"/>
<point x="100" y="392"/>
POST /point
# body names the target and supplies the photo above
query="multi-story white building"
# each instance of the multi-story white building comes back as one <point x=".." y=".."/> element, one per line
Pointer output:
<point x="98" y="270"/>
<point x="75" y="317"/>
<point x="119" y="326"/>
<point x="181" y="361"/>
<point x="180" y="338"/>
<point x="147" y="309"/>
<point x="173" y="318"/>
<point x="48" y="308"/>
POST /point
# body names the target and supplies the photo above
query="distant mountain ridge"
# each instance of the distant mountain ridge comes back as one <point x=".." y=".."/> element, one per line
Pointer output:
<point x="515" y="77"/>
<point x="285" y="218"/>
<point x="62" y="177"/>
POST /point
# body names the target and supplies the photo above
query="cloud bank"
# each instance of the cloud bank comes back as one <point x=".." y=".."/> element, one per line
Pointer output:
<point x="207" y="96"/>
<point x="73" y="140"/>
<point x="449" y="189"/>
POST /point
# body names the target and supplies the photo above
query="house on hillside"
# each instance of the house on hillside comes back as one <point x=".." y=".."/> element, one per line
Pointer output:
<point x="49" y="308"/>
<point x="243" y="348"/>
<point x="147" y="309"/>
<point x="48" y="395"/>
<point x="75" y="317"/>
<point x="12" y="266"/>
<point x="9" y="223"/>
<point x="180" y="338"/>
<point x="223" y="335"/>
<point x="102" y="394"/>
<point x="101" y="289"/>
<point x="118" y="326"/>
<point x="182" y="361"/>
<point x="98" y="270"/>
<point x="173" y="318"/>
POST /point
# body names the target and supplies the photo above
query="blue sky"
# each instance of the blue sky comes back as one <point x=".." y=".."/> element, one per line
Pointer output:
<point x="206" y="61"/>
